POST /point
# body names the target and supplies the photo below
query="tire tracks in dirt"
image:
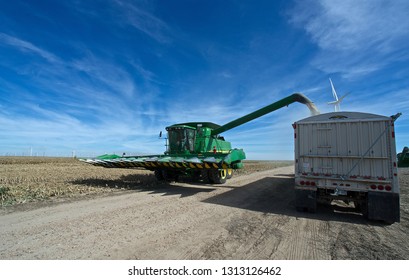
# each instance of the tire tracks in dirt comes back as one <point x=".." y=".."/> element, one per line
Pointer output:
<point x="251" y="217"/>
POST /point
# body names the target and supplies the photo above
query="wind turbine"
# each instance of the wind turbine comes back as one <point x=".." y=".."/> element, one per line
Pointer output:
<point x="337" y="100"/>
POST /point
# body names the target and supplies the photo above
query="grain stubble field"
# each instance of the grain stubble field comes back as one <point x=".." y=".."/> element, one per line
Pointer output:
<point x="125" y="214"/>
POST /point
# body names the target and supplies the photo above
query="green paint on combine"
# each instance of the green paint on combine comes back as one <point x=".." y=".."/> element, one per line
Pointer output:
<point x="197" y="149"/>
<point x="106" y="156"/>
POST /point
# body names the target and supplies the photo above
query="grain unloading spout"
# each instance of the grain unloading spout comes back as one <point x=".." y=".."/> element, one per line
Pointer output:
<point x="295" y="97"/>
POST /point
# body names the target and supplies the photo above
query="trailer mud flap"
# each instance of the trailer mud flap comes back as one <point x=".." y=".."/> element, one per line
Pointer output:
<point x="384" y="207"/>
<point x="306" y="200"/>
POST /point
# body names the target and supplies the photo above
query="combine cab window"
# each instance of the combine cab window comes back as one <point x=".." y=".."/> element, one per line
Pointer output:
<point x="181" y="140"/>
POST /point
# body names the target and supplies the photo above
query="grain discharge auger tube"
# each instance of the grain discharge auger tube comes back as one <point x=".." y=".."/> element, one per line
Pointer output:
<point x="197" y="149"/>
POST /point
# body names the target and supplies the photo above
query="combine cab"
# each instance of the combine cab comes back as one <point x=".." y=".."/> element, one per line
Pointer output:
<point x="197" y="149"/>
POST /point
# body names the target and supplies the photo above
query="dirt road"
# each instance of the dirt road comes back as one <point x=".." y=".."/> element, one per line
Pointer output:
<point x="251" y="217"/>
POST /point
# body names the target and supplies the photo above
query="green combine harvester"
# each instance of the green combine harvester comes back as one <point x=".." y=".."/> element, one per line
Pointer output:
<point x="197" y="149"/>
<point x="403" y="158"/>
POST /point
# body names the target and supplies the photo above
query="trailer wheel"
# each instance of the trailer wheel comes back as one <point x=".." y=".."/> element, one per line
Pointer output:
<point x="305" y="200"/>
<point x="218" y="176"/>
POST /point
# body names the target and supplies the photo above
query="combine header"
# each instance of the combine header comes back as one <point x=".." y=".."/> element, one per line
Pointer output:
<point x="197" y="149"/>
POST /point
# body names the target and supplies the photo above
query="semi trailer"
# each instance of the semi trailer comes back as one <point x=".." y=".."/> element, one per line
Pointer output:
<point x="351" y="157"/>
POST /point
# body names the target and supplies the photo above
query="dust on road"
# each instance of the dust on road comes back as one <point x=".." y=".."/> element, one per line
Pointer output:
<point x="251" y="217"/>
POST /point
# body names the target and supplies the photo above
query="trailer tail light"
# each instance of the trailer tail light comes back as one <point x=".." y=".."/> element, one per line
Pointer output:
<point x="308" y="183"/>
<point x="380" y="187"/>
<point x="394" y="164"/>
<point x="373" y="187"/>
<point x="388" y="188"/>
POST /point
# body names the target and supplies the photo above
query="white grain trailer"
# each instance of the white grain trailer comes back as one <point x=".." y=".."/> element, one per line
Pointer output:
<point x="348" y="156"/>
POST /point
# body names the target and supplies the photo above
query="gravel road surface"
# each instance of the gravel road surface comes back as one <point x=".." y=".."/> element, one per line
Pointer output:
<point x="250" y="217"/>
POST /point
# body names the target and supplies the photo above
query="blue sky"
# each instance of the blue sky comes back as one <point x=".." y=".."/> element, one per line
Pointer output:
<point x="106" y="76"/>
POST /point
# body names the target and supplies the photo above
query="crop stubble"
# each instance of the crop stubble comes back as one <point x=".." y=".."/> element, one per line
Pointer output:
<point x="30" y="179"/>
<point x="251" y="217"/>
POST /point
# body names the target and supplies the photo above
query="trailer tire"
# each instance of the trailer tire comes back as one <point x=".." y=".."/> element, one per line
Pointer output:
<point x="306" y="200"/>
<point x="362" y="206"/>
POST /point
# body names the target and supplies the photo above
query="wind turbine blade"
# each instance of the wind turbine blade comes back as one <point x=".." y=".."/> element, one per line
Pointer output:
<point x="333" y="102"/>
<point x="334" y="93"/>
<point x="340" y="99"/>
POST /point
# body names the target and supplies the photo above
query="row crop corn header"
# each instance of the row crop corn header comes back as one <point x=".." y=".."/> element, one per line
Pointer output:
<point x="197" y="149"/>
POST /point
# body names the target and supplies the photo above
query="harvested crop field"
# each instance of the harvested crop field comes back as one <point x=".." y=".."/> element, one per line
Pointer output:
<point x="64" y="209"/>
<point x="25" y="180"/>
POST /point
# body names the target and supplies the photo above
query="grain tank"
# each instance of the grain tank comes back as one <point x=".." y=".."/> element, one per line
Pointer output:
<point x="348" y="156"/>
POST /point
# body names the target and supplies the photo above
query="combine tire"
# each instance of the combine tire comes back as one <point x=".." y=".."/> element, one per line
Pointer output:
<point x="229" y="173"/>
<point x="159" y="175"/>
<point x="169" y="176"/>
<point x="205" y="176"/>
<point x="218" y="176"/>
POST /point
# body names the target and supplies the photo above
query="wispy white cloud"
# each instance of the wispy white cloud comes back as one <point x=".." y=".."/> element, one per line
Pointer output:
<point x="140" y="18"/>
<point x="110" y="74"/>
<point x="355" y="37"/>
<point x="116" y="90"/>
<point x="88" y="103"/>
<point x="28" y="47"/>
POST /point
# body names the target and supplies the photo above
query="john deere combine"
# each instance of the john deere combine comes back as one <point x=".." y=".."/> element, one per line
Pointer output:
<point x="197" y="149"/>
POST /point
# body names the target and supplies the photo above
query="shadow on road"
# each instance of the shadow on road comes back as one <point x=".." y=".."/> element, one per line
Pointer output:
<point x="277" y="196"/>
<point x="145" y="183"/>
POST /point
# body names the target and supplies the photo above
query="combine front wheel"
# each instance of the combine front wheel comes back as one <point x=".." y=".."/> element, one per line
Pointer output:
<point x="218" y="176"/>
<point x="206" y="176"/>
<point x="159" y="175"/>
<point x="229" y="173"/>
<point x="170" y="176"/>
